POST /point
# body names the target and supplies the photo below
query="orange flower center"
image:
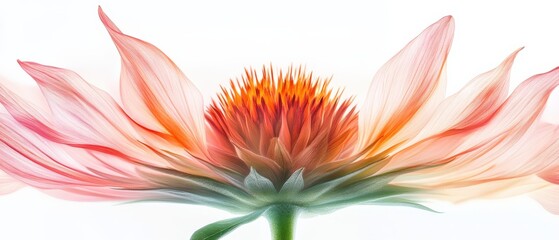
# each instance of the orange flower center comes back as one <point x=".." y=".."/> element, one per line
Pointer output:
<point x="280" y="123"/>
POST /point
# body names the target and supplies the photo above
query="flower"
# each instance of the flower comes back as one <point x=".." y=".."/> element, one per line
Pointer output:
<point x="280" y="143"/>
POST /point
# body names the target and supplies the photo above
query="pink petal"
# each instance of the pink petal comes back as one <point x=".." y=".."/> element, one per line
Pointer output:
<point x="518" y="113"/>
<point x="156" y="94"/>
<point x="527" y="155"/>
<point x="87" y="117"/>
<point x="81" y="114"/>
<point x="43" y="164"/>
<point x="548" y="197"/>
<point x="511" y="120"/>
<point x="507" y="158"/>
<point x="502" y="158"/>
<point x="551" y="174"/>
<point x="474" y="104"/>
<point x="8" y="184"/>
<point x="456" y="116"/>
<point x="405" y="88"/>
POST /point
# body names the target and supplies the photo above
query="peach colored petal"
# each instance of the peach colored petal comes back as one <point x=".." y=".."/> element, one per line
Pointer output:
<point x="155" y="92"/>
<point x="489" y="190"/>
<point x="403" y="87"/>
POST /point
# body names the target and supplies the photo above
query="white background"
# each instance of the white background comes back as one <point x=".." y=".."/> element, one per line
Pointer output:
<point x="212" y="42"/>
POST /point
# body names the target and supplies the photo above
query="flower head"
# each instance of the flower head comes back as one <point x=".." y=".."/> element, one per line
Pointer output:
<point x="279" y="124"/>
<point x="277" y="143"/>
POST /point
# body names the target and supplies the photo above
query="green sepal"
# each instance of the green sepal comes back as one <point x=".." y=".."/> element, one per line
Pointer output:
<point x="221" y="228"/>
<point x="258" y="184"/>
<point x="294" y="184"/>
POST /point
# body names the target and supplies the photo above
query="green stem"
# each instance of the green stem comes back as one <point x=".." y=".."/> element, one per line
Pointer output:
<point x="282" y="219"/>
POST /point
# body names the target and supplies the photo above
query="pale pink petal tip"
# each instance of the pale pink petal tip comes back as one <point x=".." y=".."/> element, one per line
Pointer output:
<point x="548" y="198"/>
<point x="8" y="184"/>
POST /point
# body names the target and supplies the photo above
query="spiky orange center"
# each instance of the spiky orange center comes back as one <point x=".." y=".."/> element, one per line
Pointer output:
<point x="280" y="123"/>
